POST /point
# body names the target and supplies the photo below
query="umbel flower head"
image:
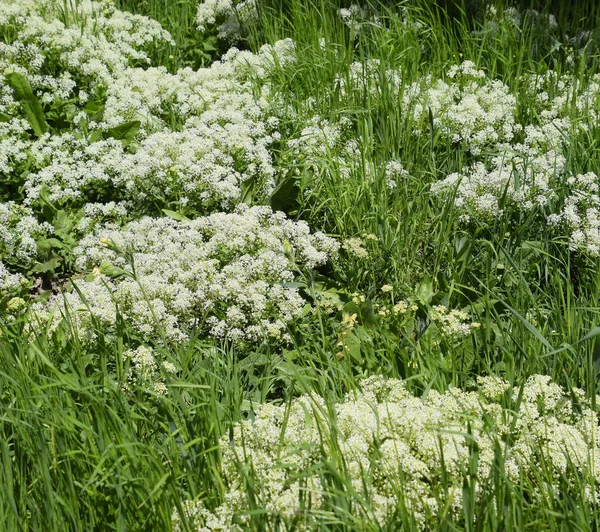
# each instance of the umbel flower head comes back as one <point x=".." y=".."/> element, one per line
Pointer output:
<point x="225" y="274"/>
<point x="398" y="449"/>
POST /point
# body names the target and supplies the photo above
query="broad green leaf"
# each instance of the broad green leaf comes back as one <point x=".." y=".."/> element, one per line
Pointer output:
<point x="284" y="197"/>
<point x="24" y="95"/>
<point x="176" y="215"/>
<point x="94" y="108"/>
<point x="353" y="345"/>
<point x="425" y="291"/>
<point x="125" y="132"/>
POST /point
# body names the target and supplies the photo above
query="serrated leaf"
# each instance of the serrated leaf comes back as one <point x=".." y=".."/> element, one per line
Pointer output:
<point x="46" y="267"/>
<point x="31" y="105"/>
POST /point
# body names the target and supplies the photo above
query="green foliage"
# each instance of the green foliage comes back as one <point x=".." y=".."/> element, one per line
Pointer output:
<point x="29" y="102"/>
<point x="82" y="448"/>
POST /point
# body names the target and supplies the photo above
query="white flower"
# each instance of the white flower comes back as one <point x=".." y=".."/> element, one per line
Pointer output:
<point x="225" y="274"/>
<point x="393" y="444"/>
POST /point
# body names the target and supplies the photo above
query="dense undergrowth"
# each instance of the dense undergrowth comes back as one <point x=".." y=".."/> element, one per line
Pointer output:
<point x="297" y="266"/>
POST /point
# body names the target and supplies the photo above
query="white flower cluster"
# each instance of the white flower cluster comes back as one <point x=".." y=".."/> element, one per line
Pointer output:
<point x="581" y="213"/>
<point x="225" y="274"/>
<point x="395" y="172"/>
<point x="144" y="371"/>
<point x="400" y="449"/>
<point x="95" y="213"/>
<point x="453" y="323"/>
<point x="8" y="280"/>
<point x="231" y="19"/>
<point x="55" y="43"/>
<point x="354" y="246"/>
<point x="521" y="176"/>
<point x="524" y="172"/>
<point x="469" y="108"/>
<point x="19" y="230"/>
<point x="202" y="166"/>
<point x="202" y="134"/>
<point x="356" y="17"/>
<point x="223" y="143"/>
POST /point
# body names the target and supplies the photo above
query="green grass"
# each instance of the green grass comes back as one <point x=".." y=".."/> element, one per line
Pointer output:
<point x="77" y="453"/>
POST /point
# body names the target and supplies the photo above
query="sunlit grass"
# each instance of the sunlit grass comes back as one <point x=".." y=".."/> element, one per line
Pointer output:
<point x="80" y="451"/>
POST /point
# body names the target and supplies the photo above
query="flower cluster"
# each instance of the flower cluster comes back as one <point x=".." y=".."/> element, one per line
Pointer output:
<point x="225" y="274"/>
<point x="523" y="171"/>
<point x="89" y="41"/>
<point x="144" y="371"/>
<point x="581" y="213"/>
<point x="116" y="137"/>
<point x="19" y="233"/>
<point x="357" y="18"/>
<point x="120" y="131"/>
<point x="230" y="19"/>
<point x="223" y="143"/>
<point x="8" y="280"/>
<point x="398" y="449"/>
<point x="467" y="109"/>
<point x="453" y="323"/>
<point x="19" y="230"/>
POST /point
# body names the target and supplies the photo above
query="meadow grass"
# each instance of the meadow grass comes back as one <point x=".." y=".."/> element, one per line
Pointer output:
<point x="80" y="452"/>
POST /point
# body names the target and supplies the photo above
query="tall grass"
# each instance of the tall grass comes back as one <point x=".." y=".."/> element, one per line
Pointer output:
<point x="78" y="453"/>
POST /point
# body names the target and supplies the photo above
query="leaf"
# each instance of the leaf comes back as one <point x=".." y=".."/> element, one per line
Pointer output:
<point x="63" y="222"/>
<point x="94" y="108"/>
<point x="592" y="334"/>
<point x="284" y="197"/>
<point x="49" y="243"/>
<point x="31" y="105"/>
<point x="353" y="344"/>
<point x="114" y="272"/>
<point x="431" y="128"/>
<point x="306" y="310"/>
<point x="248" y="187"/>
<point x="46" y="267"/>
<point x="367" y="314"/>
<point x="529" y="326"/>
<point x="425" y="291"/>
<point x="210" y="44"/>
<point x="293" y="284"/>
<point x="176" y="215"/>
<point x="125" y="132"/>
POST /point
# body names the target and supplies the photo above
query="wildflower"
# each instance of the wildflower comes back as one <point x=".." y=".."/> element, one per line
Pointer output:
<point x="224" y="270"/>
<point x="354" y="246"/>
<point x="392" y="443"/>
<point x="15" y="305"/>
